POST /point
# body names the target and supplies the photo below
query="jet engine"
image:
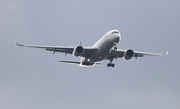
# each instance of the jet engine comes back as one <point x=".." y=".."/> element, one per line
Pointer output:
<point x="128" y="54"/>
<point x="78" y="51"/>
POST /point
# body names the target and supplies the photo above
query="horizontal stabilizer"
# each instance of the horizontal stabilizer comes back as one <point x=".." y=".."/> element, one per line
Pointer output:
<point x="97" y="63"/>
<point x="70" y="62"/>
<point x="79" y="63"/>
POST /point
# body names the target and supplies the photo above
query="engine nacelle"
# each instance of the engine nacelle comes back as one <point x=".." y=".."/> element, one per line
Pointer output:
<point x="78" y="51"/>
<point x="128" y="54"/>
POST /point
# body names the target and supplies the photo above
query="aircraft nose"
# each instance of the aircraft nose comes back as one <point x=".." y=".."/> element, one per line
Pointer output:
<point x="118" y="37"/>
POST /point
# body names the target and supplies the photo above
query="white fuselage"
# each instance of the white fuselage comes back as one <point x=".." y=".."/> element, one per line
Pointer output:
<point x="105" y="44"/>
<point x="103" y="49"/>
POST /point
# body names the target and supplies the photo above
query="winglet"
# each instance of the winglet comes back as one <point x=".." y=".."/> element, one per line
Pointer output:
<point x="15" y="42"/>
<point x="166" y="53"/>
<point x="18" y="44"/>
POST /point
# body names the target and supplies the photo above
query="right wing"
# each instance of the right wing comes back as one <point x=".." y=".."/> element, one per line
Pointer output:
<point x="88" y="51"/>
<point x="119" y="53"/>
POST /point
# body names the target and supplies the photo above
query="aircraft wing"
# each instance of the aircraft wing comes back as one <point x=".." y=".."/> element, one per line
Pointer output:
<point x="88" y="51"/>
<point x="119" y="53"/>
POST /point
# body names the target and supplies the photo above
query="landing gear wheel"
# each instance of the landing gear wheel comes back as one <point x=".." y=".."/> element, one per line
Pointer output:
<point x="112" y="65"/>
<point x="111" y="59"/>
<point x="115" y="48"/>
<point x="109" y="64"/>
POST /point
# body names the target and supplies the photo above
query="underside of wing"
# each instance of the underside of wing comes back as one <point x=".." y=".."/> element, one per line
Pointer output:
<point x="149" y="54"/>
<point x="128" y="54"/>
<point x="86" y="51"/>
<point x="50" y="48"/>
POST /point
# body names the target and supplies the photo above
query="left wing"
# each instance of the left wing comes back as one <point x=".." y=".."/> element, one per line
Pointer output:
<point x="63" y="49"/>
<point x="119" y="53"/>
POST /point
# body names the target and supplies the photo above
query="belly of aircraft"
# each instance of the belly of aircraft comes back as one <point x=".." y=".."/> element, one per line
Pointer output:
<point x="99" y="56"/>
<point x="102" y="53"/>
<point x="104" y="46"/>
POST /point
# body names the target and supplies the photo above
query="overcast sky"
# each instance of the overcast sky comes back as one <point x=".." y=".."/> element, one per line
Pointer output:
<point x="33" y="78"/>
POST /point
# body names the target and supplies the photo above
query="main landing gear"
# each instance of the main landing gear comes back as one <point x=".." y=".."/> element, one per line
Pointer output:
<point x="111" y="64"/>
<point x="112" y="57"/>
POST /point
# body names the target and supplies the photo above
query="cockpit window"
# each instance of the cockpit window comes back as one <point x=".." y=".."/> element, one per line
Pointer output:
<point x="115" y="32"/>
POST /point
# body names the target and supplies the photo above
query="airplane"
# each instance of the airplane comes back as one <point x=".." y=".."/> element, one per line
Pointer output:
<point x="103" y="49"/>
